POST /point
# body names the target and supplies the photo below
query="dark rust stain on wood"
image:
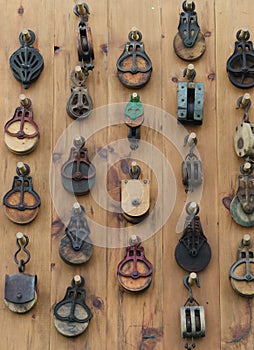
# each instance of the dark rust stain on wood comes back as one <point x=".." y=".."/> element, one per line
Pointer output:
<point x="174" y="79"/>
<point x="57" y="227"/>
<point x="97" y="302"/>
<point x="211" y="76"/>
<point x="150" y="337"/>
<point x="21" y="10"/>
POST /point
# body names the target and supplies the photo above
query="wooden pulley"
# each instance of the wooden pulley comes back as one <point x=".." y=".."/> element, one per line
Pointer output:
<point x="21" y="203"/>
<point x="241" y="273"/>
<point x="76" y="246"/>
<point x="21" y="133"/>
<point x="135" y="271"/>
<point x="189" y="42"/>
<point x="78" y="173"/>
<point x="244" y="134"/>
<point x="71" y="314"/>
<point x="192" y="314"/>
<point x="20" y="289"/>
<point x="193" y="253"/>
<point x="134" y="67"/>
<point x="135" y="196"/>
<point x="242" y="205"/>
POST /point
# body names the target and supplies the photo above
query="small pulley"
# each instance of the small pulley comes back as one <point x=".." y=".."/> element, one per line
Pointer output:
<point x="135" y="196"/>
<point x="190" y="99"/>
<point x="244" y="134"/>
<point x="79" y="105"/>
<point x="78" y="173"/>
<point x="21" y="133"/>
<point x="21" y="203"/>
<point x="193" y="253"/>
<point x="84" y="36"/>
<point x="134" y="118"/>
<point x="26" y="63"/>
<point x="242" y="205"/>
<point x="135" y="271"/>
<point x="20" y="289"/>
<point x="192" y="314"/>
<point x="240" y="65"/>
<point x="241" y="273"/>
<point x="134" y="67"/>
<point x="192" y="170"/>
<point x="189" y="42"/>
<point x="76" y="246"/>
<point x="71" y="314"/>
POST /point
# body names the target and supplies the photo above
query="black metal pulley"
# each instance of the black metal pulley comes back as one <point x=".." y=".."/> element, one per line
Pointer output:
<point x="240" y="65"/>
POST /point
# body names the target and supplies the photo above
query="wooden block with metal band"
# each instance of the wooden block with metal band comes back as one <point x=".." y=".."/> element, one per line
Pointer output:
<point x="21" y="203"/>
<point x="135" y="196"/>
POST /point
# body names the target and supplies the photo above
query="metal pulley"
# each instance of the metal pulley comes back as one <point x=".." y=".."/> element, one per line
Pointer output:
<point x="26" y="63"/>
<point x="84" y="36"/>
<point x="135" y="196"/>
<point x="78" y="173"/>
<point x="134" y="118"/>
<point x="192" y="170"/>
<point x="242" y="205"/>
<point x="240" y="65"/>
<point x="190" y="99"/>
<point x="134" y="67"/>
<point x="79" y="104"/>
<point x="192" y="315"/>
<point x="71" y="314"/>
<point x="20" y="289"/>
<point x="135" y="271"/>
<point x="241" y="273"/>
<point x="193" y="253"/>
<point x="189" y="42"/>
<point x="76" y="246"/>
<point x="21" y="133"/>
<point x="244" y="134"/>
<point x="21" y="203"/>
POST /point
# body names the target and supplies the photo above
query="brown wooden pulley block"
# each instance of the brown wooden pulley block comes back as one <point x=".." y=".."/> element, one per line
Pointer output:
<point x="21" y="133"/>
<point x="76" y="246"/>
<point x="135" y="271"/>
<point x="21" y="203"/>
<point x="135" y="196"/>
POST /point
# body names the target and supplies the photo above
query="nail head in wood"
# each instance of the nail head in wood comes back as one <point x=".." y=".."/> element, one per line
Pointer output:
<point x="21" y="238"/>
<point x="245" y="100"/>
<point x="77" y="208"/>
<point x="134" y="168"/>
<point x="23" y="99"/>
<point x="192" y="278"/>
<point x="78" y="72"/>
<point x="81" y="8"/>
<point x="26" y="35"/>
<point x="190" y="70"/>
<point x="243" y="32"/>
<point x="188" y="4"/>
<point x="247" y="166"/>
<point x="134" y="239"/>
<point x="246" y="240"/>
<point x="21" y="167"/>
<point x="192" y="138"/>
<point x="77" y="280"/>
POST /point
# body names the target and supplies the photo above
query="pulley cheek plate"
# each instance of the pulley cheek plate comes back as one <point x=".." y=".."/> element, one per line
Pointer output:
<point x="135" y="199"/>
<point x="244" y="140"/>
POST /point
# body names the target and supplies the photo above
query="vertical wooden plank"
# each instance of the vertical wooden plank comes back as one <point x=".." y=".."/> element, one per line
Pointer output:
<point x="94" y="271"/>
<point x="236" y="311"/>
<point x="31" y="330"/>
<point x="135" y="321"/>
<point x="175" y="293"/>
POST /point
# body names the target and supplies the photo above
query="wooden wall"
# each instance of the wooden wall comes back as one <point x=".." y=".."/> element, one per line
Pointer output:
<point x="122" y="321"/>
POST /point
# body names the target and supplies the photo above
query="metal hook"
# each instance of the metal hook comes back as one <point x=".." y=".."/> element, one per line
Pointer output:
<point x="245" y="103"/>
<point x="189" y="72"/>
<point x="190" y="346"/>
<point x="21" y="241"/>
<point x="192" y="141"/>
<point x="188" y="280"/>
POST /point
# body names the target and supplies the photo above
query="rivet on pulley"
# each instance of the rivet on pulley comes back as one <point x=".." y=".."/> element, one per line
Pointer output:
<point x="20" y="289"/>
<point x="190" y="99"/>
<point x="135" y="196"/>
<point x="134" y="118"/>
<point x="134" y="67"/>
<point x="21" y="203"/>
<point x="193" y="252"/>
<point x="72" y="315"/>
<point x="78" y="173"/>
<point x="192" y="171"/>
<point x="79" y="105"/>
<point x="244" y="134"/>
<point x="189" y="42"/>
<point x="76" y="246"/>
<point x="242" y="205"/>
<point x="192" y="314"/>
<point x="135" y="271"/>
<point x="21" y="133"/>
<point x="240" y="65"/>
<point x="26" y="63"/>
<point x="241" y="273"/>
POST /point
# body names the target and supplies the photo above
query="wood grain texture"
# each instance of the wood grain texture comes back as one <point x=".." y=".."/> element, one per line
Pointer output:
<point x="121" y="320"/>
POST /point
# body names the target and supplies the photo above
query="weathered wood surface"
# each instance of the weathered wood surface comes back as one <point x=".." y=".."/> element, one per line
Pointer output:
<point x="122" y="320"/>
